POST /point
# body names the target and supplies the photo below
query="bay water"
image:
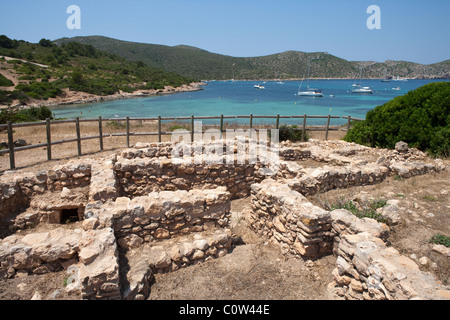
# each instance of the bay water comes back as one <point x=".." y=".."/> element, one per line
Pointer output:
<point x="232" y="98"/>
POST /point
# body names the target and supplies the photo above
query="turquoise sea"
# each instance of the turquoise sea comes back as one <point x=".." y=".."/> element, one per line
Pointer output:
<point x="241" y="98"/>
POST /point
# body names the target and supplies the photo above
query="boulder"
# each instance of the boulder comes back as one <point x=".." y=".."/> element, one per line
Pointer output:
<point x="402" y="147"/>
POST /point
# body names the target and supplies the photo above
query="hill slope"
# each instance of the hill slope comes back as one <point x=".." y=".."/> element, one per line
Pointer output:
<point x="44" y="70"/>
<point x="200" y="64"/>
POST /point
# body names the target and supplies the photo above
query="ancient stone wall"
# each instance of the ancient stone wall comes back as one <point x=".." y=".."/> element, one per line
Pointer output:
<point x="166" y="214"/>
<point x="368" y="269"/>
<point x="287" y="217"/>
<point x="19" y="189"/>
<point x="142" y="176"/>
<point x="38" y="252"/>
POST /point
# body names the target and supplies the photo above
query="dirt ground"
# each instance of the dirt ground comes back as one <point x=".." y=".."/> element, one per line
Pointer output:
<point x="254" y="270"/>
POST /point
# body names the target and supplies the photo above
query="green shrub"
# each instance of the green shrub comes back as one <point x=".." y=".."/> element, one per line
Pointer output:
<point x="366" y="210"/>
<point x="5" y="82"/>
<point x="116" y="124"/>
<point x="25" y="115"/>
<point x="421" y="118"/>
<point x="441" y="239"/>
<point x="291" y="133"/>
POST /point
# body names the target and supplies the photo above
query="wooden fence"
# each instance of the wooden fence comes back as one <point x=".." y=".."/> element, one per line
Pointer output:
<point x="49" y="123"/>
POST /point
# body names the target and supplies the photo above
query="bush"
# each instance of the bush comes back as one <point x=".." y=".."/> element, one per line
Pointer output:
<point x="291" y="133"/>
<point x="46" y="43"/>
<point x="367" y="209"/>
<point x="6" y="42"/>
<point x="421" y="118"/>
<point x="441" y="239"/>
<point x="5" y="82"/>
<point x="25" y="115"/>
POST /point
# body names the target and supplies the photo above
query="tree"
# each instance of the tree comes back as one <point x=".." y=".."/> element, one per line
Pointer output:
<point x="45" y="43"/>
<point x="77" y="78"/>
<point x="6" y="42"/>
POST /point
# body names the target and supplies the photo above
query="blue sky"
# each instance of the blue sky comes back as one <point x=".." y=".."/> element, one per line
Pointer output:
<point x="411" y="30"/>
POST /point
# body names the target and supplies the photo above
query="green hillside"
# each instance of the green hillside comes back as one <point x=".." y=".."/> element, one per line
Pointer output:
<point x="200" y="64"/>
<point x="43" y="70"/>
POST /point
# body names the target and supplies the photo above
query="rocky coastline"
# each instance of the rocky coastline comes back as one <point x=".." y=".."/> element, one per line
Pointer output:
<point x="69" y="97"/>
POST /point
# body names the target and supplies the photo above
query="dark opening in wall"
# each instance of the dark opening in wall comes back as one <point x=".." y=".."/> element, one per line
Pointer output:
<point x="69" y="216"/>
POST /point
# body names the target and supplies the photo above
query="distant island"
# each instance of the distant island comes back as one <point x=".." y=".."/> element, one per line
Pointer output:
<point x="196" y="63"/>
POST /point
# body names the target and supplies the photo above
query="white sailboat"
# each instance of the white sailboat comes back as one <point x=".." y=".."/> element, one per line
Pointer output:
<point x="310" y="92"/>
<point x="357" y="88"/>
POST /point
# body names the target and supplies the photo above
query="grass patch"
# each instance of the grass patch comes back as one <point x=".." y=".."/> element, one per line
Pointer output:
<point x="429" y="198"/>
<point x="116" y="124"/>
<point x="441" y="239"/>
<point x="368" y="209"/>
<point x="178" y="127"/>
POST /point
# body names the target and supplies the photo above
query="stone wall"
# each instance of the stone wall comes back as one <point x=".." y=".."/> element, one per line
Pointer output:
<point x="170" y="255"/>
<point x="38" y="252"/>
<point x="103" y="184"/>
<point x="166" y="214"/>
<point x="19" y="189"/>
<point x="98" y="268"/>
<point x="368" y="269"/>
<point x="344" y="223"/>
<point x="138" y="177"/>
<point x="288" y="218"/>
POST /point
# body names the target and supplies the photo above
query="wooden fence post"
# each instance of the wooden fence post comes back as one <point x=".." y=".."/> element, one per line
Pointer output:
<point x="49" y="139"/>
<point x="77" y="125"/>
<point x="348" y="123"/>
<point x="128" y="132"/>
<point x="159" y="128"/>
<point x="304" y="127"/>
<point x="278" y="121"/>
<point x="221" y="126"/>
<point x="192" y="128"/>
<point x="100" y="132"/>
<point x="251" y="125"/>
<point x="328" y="127"/>
<point x="12" y="162"/>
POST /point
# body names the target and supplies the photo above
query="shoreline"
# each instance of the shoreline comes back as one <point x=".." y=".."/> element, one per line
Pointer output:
<point x="299" y="79"/>
<point x="76" y="97"/>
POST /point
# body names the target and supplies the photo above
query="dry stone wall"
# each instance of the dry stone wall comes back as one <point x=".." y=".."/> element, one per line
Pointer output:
<point x="19" y="189"/>
<point x="167" y="214"/>
<point x="141" y="176"/>
<point x="38" y="252"/>
<point x="368" y="269"/>
<point x="171" y="255"/>
<point x="287" y="217"/>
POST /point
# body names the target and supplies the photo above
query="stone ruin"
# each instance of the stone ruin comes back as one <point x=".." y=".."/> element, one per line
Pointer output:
<point x="157" y="214"/>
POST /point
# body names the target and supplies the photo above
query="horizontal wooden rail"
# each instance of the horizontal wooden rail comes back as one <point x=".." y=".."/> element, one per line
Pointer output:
<point x="11" y="150"/>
